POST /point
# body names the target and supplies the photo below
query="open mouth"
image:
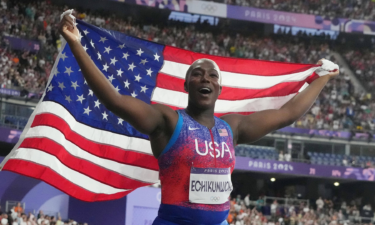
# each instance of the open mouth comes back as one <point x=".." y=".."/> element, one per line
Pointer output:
<point x="205" y="90"/>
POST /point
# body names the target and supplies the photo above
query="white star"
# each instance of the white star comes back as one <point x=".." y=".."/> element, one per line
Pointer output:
<point x="138" y="78"/>
<point x="61" y="85"/>
<point x="121" y="46"/>
<point x="91" y="92"/>
<point x="139" y="52"/>
<point x="131" y="66"/>
<point x="99" y="56"/>
<point x="50" y="88"/>
<point x="156" y="57"/>
<point x="113" y="61"/>
<point x="68" y="98"/>
<point x="120" y="121"/>
<point x="149" y="71"/>
<point x="80" y="36"/>
<point x="103" y="39"/>
<point x="126" y="84"/>
<point x="85" y="81"/>
<point x="97" y="103"/>
<point x="134" y="94"/>
<point x="75" y="85"/>
<point x="55" y="72"/>
<point x="108" y="49"/>
<point x="117" y="89"/>
<point x="144" y="88"/>
<point x="92" y="44"/>
<point x="143" y="61"/>
<point x="105" y="67"/>
<point x="86" y="32"/>
<point x="119" y="72"/>
<point x="63" y="56"/>
<point x="105" y="115"/>
<point x="125" y="55"/>
<point x="84" y="47"/>
<point x="68" y="70"/>
<point x="87" y="111"/>
<point x="80" y="98"/>
<point x="111" y="78"/>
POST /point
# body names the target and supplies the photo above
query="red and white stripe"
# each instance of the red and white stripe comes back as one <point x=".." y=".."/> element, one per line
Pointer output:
<point x="94" y="165"/>
<point x="248" y="85"/>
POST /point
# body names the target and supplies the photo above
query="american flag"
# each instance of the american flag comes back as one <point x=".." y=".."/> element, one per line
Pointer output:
<point x="75" y="144"/>
<point x="223" y="132"/>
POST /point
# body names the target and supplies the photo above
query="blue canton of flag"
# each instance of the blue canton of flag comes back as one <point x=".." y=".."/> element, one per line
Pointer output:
<point x="129" y="63"/>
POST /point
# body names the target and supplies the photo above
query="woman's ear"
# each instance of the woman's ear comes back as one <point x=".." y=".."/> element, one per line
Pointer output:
<point x="221" y="88"/>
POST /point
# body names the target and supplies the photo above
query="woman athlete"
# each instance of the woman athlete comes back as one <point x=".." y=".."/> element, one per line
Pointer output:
<point x="195" y="149"/>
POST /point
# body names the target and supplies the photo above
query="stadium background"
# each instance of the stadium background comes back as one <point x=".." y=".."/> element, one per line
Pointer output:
<point x="328" y="153"/>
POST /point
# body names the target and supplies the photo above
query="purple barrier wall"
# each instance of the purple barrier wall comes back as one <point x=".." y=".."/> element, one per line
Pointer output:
<point x="22" y="44"/>
<point x="142" y="206"/>
<point x="271" y="166"/>
<point x="98" y="213"/>
<point x="9" y="135"/>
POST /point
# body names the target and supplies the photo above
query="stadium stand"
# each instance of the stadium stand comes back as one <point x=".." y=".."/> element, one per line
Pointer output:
<point x="28" y="72"/>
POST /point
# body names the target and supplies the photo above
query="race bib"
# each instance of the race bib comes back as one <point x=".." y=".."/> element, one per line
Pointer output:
<point x="209" y="185"/>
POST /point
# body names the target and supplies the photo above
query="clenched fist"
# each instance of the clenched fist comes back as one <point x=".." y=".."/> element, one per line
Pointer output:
<point x="68" y="29"/>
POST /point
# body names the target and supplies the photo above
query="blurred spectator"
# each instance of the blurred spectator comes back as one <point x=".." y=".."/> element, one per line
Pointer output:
<point x="345" y="161"/>
<point x="247" y="201"/>
<point x="274" y="206"/>
<point x="40" y="214"/>
<point x="287" y="156"/>
<point x="281" y="156"/>
<point x="18" y="208"/>
<point x="259" y="203"/>
<point x="319" y="204"/>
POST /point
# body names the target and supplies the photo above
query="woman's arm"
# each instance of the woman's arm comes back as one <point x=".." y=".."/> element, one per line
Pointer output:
<point x="144" y="117"/>
<point x="250" y="128"/>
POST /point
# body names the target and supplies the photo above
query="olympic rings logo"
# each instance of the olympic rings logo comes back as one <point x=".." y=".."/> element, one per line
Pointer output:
<point x="215" y="198"/>
<point x="209" y="7"/>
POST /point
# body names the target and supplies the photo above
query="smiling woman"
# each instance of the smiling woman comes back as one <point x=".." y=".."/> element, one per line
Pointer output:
<point x="193" y="146"/>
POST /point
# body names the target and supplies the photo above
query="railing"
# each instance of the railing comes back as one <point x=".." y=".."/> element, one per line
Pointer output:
<point x="16" y="122"/>
<point x="358" y="219"/>
<point x="45" y="212"/>
<point x="286" y="201"/>
<point x="10" y="204"/>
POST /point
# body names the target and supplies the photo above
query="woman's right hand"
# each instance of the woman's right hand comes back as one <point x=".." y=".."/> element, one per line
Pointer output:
<point x="68" y="29"/>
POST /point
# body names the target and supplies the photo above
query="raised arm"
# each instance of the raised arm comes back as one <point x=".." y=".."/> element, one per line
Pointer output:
<point x="250" y="128"/>
<point x="146" y="118"/>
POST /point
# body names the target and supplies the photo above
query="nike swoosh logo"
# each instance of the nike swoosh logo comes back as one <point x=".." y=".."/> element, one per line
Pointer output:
<point x="193" y="128"/>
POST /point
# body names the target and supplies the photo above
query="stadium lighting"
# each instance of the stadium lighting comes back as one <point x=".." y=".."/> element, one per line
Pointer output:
<point x="273" y="179"/>
<point x="336" y="184"/>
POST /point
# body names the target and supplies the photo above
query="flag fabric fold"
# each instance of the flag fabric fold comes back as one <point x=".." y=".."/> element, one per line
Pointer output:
<point x="75" y="144"/>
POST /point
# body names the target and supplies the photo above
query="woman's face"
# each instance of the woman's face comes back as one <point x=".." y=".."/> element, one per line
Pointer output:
<point x="202" y="84"/>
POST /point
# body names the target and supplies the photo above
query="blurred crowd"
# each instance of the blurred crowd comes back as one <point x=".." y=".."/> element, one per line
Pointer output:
<point x="338" y="107"/>
<point x="352" y="9"/>
<point x="23" y="70"/>
<point x="17" y="216"/>
<point x="247" y="212"/>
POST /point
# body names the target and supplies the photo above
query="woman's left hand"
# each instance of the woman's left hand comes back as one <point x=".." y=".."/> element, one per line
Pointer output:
<point x="331" y="74"/>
